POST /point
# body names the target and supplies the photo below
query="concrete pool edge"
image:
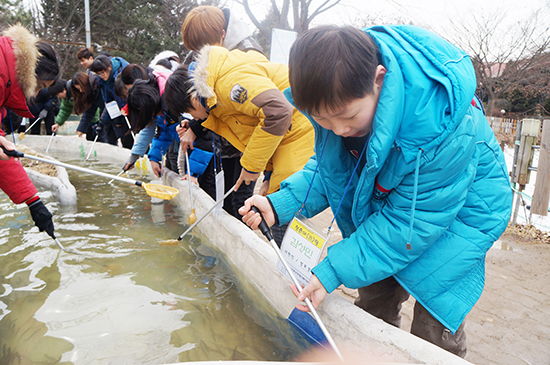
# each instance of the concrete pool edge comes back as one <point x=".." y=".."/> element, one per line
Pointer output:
<point x="354" y="331"/>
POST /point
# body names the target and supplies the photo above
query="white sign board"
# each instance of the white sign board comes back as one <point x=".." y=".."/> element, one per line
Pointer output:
<point x="281" y="41"/>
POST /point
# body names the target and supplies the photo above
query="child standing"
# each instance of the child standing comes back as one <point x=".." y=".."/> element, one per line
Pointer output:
<point x="410" y="167"/>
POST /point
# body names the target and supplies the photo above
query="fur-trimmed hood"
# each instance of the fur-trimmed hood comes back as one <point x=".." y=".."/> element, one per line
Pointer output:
<point x="202" y="84"/>
<point x="18" y="58"/>
<point x="26" y="55"/>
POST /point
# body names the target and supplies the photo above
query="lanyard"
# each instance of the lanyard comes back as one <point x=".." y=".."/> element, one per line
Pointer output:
<point x="347" y="186"/>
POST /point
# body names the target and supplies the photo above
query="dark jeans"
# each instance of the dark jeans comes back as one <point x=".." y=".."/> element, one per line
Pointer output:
<point x="384" y="300"/>
<point x="48" y="121"/>
<point x="115" y="129"/>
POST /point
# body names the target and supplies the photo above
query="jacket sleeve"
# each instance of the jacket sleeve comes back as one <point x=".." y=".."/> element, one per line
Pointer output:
<point x="378" y="247"/>
<point x="15" y="182"/>
<point x="143" y="140"/>
<point x="263" y="100"/>
<point x="290" y="198"/>
<point x="160" y="144"/>
<point x="64" y="111"/>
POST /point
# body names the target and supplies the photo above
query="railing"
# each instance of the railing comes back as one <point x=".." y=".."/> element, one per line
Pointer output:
<point x="503" y="125"/>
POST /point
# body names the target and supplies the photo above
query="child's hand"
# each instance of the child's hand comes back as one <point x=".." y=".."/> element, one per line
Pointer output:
<point x="156" y="167"/>
<point x="246" y="177"/>
<point x="55" y="127"/>
<point x="8" y="145"/>
<point x="264" y="188"/>
<point x="194" y="180"/>
<point x="182" y="127"/>
<point x="315" y="291"/>
<point x="253" y="219"/>
<point x="187" y="139"/>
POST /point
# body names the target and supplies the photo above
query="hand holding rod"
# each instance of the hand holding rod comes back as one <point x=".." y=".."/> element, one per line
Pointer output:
<point x="18" y="154"/>
<point x="264" y="228"/>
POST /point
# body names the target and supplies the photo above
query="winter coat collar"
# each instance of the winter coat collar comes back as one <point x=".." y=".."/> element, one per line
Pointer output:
<point x="26" y="54"/>
<point x="202" y="81"/>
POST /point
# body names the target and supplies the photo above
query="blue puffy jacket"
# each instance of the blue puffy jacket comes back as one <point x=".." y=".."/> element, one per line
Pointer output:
<point x="434" y="177"/>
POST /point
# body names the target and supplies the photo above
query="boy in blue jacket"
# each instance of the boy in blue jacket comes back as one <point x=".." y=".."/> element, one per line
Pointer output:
<point x="410" y="168"/>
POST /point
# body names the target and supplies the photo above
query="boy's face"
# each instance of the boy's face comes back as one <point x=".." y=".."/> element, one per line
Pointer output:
<point x="63" y="94"/>
<point x="356" y="117"/>
<point x="197" y="111"/>
<point x="86" y="62"/>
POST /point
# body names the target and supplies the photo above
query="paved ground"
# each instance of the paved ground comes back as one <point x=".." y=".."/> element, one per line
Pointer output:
<point x="510" y="324"/>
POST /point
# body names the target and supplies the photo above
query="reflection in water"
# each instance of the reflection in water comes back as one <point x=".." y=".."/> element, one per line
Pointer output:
<point x="126" y="299"/>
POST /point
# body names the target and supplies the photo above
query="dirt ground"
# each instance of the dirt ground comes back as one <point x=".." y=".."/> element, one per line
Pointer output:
<point x="510" y="324"/>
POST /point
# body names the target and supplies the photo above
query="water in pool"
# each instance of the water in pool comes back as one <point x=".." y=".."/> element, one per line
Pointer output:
<point x="128" y="300"/>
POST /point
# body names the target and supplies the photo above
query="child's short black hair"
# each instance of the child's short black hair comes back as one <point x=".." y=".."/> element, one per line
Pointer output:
<point x="47" y="66"/>
<point x="58" y="86"/>
<point x="177" y="92"/>
<point x="128" y="76"/>
<point x="329" y="66"/>
<point x="101" y="63"/>
<point x="143" y="103"/>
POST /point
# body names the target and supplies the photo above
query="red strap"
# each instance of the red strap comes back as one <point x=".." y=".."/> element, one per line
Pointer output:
<point x="33" y="199"/>
<point x="380" y="188"/>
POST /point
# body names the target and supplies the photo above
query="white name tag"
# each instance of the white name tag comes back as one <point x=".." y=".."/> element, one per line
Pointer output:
<point x="301" y="248"/>
<point x="113" y="109"/>
<point x="220" y="188"/>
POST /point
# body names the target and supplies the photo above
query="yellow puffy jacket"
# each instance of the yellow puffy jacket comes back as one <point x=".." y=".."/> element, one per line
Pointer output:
<point x="247" y="107"/>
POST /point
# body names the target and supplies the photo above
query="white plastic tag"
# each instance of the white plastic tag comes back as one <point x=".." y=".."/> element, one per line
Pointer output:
<point x="301" y="247"/>
<point x="113" y="109"/>
<point x="220" y="188"/>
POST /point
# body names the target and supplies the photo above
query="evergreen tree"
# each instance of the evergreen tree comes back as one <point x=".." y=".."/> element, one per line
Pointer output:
<point x="133" y="29"/>
<point x="12" y="12"/>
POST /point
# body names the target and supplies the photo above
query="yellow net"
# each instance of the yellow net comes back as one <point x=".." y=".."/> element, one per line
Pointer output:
<point x="160" y="191"/>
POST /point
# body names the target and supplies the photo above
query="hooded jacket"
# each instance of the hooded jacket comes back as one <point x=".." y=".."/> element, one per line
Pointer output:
<point x="18" y="56"/>
<point x="166" y="127"/>
<point x="243" y="93"/>
<point x="434" y="178"/>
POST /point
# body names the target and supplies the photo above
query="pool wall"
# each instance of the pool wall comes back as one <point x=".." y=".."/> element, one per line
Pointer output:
<point x="355" y="332"/>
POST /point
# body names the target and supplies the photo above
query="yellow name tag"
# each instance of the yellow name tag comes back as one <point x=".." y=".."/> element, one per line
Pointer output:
<point x="301" y="247"/>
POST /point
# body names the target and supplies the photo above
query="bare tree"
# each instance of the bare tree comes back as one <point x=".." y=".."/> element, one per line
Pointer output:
<point x="504" y="56"/>
<point x="303" y="12"/>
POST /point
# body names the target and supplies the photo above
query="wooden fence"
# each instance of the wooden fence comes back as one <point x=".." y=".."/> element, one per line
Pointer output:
<point x="503" y="125"/>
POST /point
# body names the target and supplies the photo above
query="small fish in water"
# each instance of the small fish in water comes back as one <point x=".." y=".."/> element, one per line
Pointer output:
<point x="169" y="242"/>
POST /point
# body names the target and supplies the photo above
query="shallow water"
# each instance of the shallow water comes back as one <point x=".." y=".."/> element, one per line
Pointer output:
<point x="126" y="299"/>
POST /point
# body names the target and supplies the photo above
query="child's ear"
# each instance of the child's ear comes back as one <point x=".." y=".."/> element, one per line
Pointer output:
<point x="379" y="76"/>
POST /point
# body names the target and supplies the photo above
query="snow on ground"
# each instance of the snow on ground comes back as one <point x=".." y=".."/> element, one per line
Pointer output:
<point x="540" y="222"/>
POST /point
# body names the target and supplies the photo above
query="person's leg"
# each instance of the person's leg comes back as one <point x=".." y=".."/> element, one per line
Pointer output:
<point x="232" y="170"/>
<point x="90" y="134"/>
<point x="425" y="326"/>
<point x="48" y="122"/>
<point x="109" y="135"/>
<point x="35" y="130"/>
<point x="383" y="300"/>
<point x="207" y="181"/>
<point x="171" y="161"/>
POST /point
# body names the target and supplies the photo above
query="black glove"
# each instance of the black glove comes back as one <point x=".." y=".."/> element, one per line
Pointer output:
<point x="41" y="216"/>
<point x="98" y="128"/>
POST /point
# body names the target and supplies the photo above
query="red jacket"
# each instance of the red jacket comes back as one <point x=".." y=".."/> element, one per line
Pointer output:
<point x="18" y="55"/>
<point x="17" y="43"/>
